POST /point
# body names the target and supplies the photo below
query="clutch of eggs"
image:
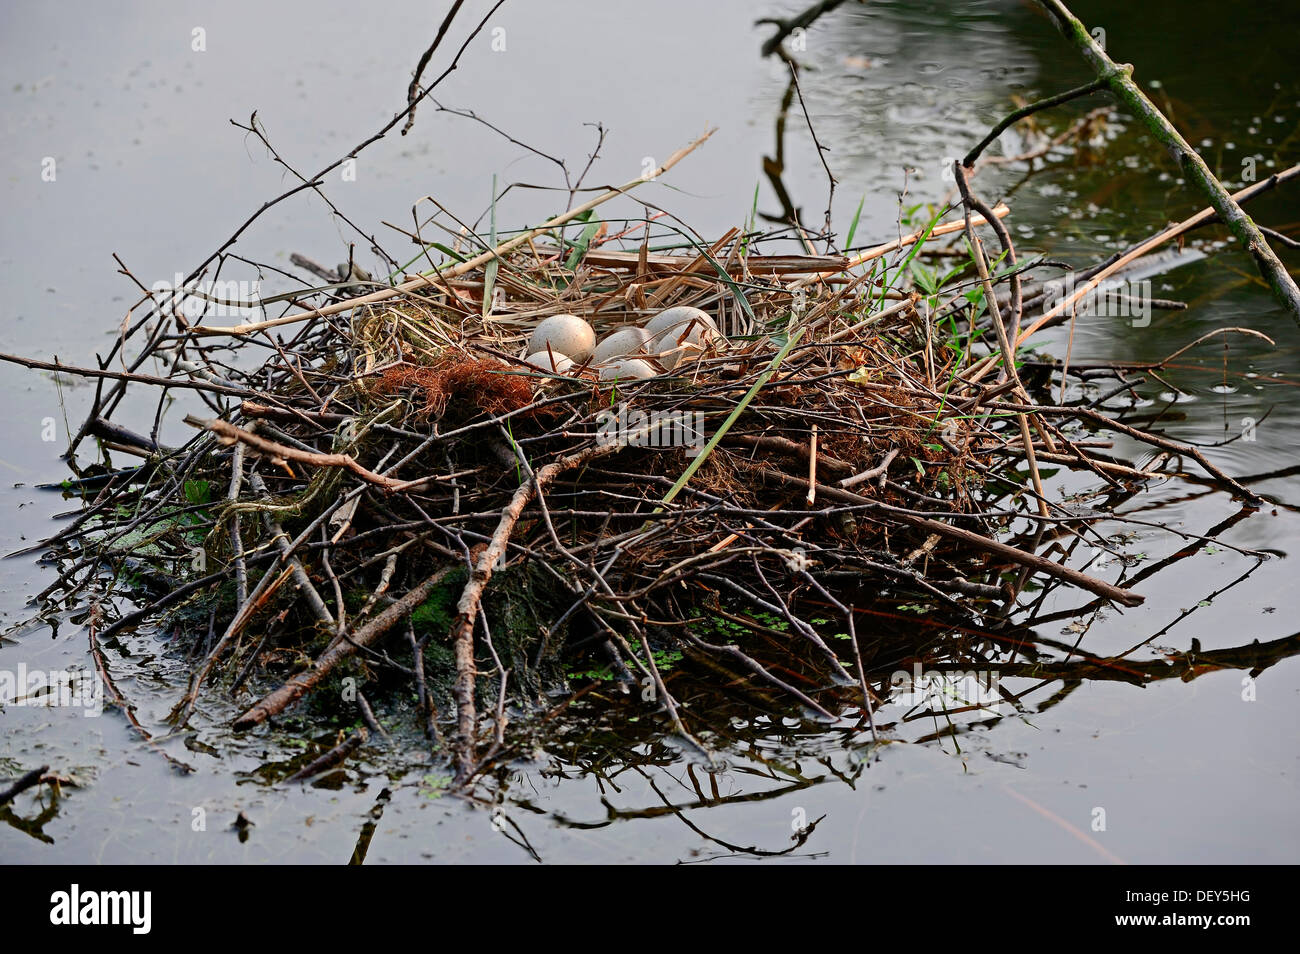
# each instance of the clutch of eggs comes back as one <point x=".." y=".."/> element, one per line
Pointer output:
<point x="677" y="334"/>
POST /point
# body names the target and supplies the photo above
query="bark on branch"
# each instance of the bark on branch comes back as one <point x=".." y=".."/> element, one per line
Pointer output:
<point x="467" y="609"/>
<point x="228" y="433"/>
<point x="297" y="687"/>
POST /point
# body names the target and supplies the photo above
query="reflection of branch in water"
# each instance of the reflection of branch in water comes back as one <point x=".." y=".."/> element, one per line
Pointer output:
<point x="801" y="834"/>
<point x="32" y="826"/>
<point x="1204" y="601"/>
<point x="22" y="784"/>
<point x="519" y="839"/>
<point x="616" y="746"/>
<point x="1254" y="657"/>
<point x="800" y="21"/>
<point x="368" y="828"/>
<point x="1073" y="829"/>
<point x="774" y="167"/>
<point x="628" y="760"/>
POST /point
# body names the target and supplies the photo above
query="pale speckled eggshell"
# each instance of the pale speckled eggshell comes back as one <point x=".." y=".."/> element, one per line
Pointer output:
<point x="629" y="369"/>
<point x="567" y="334"/>
<point x="626" y="340"/>
<point x="543" y="360"/>
<point x="677" y="315"/>
<point x="680" y="343"/>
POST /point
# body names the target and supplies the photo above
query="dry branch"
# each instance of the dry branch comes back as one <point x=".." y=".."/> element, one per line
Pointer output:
<point x="293" y="690"/>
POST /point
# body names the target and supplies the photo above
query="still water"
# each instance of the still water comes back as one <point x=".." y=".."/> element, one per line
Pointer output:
<point x="1198" y="766"/>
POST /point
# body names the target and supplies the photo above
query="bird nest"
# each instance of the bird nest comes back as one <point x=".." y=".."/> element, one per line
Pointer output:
<point x="384" y="489"/>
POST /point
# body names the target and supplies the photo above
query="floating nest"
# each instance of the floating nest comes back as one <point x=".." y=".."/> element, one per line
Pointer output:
<point x="384" y="493"/>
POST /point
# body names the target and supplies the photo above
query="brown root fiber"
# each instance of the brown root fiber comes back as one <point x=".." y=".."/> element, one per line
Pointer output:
<point x="458" y="389"/>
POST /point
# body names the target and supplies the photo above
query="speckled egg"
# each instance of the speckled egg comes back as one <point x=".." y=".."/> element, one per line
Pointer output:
<point x="550" y="361"/>
<point x="680" y="343"/>
<point x="567" y="334"/>
<point x="626" y="340"/>
<point x="629" y="369"/>
<point x="677" y="315"/>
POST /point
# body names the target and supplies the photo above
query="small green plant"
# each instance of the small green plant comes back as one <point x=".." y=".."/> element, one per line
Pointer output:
<point x="198" y="491"/>
<point x="603" y="674"/>
<point x="434" y="786"/>
<point x="665" y="659"/>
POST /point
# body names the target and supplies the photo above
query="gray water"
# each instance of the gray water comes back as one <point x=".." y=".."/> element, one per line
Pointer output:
<point x="148" y="166"/>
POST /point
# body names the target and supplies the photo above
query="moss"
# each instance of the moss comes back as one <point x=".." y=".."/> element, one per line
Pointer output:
<point x="521" y="603"/>
<point x="435" y="614"/>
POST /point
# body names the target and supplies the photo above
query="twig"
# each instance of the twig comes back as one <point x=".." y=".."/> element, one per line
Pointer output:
<point x="279" y="453"/>
<point x="849" y="483"/>
<point x="973" y="204"/>
<point x="1009" y="362"/>
<point x="124" y="376"/>
<point x="463" y="268"/>
<point x="812" y="467"/>
<point x="947" y="228"/>
<point x="1015" y="555"/>
<point x="467" y="608"/>
<point x="333" y="757"/>
<point x="1144" y="436"/>
<point x="1096" y="85"/>
<point x="295" y="688"/>
<point x="413" y="92"/>
<point x="800" y="21"/>
<point x="1204" y="216"/>
<point x="23" y="783"/>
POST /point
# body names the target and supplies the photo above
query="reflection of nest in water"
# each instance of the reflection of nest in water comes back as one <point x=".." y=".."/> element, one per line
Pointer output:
<point x="768" y="750"/>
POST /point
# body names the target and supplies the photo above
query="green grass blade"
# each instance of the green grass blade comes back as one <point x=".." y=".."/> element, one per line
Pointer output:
<point x="749" y="225"/>
<point x="853" y="226"/>
<point x="580" y="246"/>
<point x="739" y="409"/>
